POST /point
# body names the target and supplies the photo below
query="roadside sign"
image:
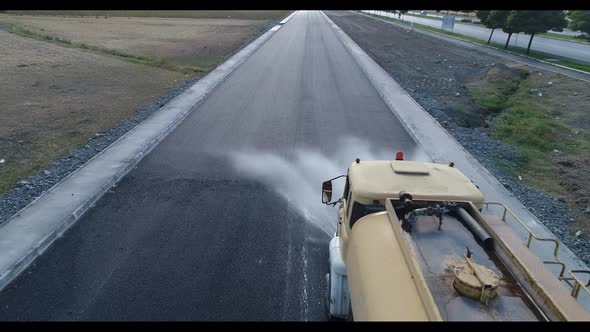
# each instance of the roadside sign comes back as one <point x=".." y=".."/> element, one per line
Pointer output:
<point x="448" y="22"/>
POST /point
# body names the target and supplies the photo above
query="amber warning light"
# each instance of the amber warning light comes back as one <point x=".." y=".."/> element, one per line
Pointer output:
<point x="399" y="155"/>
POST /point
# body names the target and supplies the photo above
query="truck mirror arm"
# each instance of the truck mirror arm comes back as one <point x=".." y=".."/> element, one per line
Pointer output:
<point x="338" y="177"/>
<point x="335" y="202"/>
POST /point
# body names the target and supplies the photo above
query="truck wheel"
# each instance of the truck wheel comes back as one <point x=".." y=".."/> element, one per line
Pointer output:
<point x="327" y="299"/>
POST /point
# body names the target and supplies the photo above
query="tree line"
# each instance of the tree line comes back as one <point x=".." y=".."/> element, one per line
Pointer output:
<point x="533" y="22"/>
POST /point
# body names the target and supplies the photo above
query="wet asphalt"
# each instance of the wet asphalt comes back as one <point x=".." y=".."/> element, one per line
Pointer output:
<point x="184" y="236"/>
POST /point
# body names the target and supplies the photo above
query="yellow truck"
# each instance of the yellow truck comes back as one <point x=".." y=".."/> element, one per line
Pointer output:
<point x="416" y="241"/>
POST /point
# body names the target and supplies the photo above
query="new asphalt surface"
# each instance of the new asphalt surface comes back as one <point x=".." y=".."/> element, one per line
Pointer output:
<point x="186" y="235"/>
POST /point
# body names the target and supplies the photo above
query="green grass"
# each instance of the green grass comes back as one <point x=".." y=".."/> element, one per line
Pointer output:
<point x="494" y="96"/>
<point x="518" y="50"/>
<point x="149" y="61"/>
<point x="566" y="37"/>
<point x="523" y="120"/>
<point x="545" y="57"/>
<point x="530" y="128"/>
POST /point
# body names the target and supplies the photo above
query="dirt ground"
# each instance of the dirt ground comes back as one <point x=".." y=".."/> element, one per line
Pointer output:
<point x="441" y="77"/>
<point x="198" y="42"/>
<point x="56" y="96"/>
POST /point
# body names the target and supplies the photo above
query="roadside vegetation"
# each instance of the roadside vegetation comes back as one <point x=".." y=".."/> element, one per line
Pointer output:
<point x="536" y="21"/>
<point x="544" y="115"/>
<point x="580" y="38"/>
<point x="584" y="39"/>
<point x="537" y="55"/>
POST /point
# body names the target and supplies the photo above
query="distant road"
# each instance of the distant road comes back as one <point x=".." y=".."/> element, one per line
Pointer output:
<point x="566" y="32"/>
<point x="567" y="49"/>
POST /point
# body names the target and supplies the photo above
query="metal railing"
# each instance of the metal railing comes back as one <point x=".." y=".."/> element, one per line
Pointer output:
<point x="577" y="283"/>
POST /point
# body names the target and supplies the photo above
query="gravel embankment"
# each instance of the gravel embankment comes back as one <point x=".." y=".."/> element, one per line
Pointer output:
<point x="29" y="189"/>
<point x="434" y="73"/>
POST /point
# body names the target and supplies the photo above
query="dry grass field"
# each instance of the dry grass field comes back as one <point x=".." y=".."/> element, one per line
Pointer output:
<point x="56" y="98"/>
<point x="200" y="43"/>
<point x="64" y="79"/>
<point x="199" y="14"/>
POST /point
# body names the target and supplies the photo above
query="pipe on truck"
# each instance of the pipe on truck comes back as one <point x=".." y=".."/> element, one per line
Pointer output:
<point x="479" y="232"/>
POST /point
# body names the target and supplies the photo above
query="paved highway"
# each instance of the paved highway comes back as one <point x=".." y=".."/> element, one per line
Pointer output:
<point x="565" y="31"/>
<point x="207" y="227"/>
<point x="572" y="50"/>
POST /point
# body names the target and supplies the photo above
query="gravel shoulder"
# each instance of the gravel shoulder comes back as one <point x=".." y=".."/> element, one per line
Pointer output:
<point x="443" y="79"/>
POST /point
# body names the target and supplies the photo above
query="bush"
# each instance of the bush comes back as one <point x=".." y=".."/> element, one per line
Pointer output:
<point x="466" y="20"/>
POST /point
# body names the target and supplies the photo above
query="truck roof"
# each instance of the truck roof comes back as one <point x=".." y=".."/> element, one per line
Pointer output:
<point x="380" y="179"/>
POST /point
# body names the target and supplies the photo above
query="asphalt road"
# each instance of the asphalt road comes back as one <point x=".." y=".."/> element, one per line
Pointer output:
<point x="571" y="50"/>
<point x="565" y="31"/>
<point x="191" y="233"/>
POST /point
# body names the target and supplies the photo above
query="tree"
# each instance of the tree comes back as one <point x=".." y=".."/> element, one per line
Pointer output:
<point x="489" y="21"/>
<point x="402" y="12"/>
<point x="580" y="20"/>
<point x="500" y="19"/>
<point x="536" y="21"/>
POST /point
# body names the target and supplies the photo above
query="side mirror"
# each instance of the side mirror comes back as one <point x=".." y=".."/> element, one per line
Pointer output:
<point x="326" y="192"/>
